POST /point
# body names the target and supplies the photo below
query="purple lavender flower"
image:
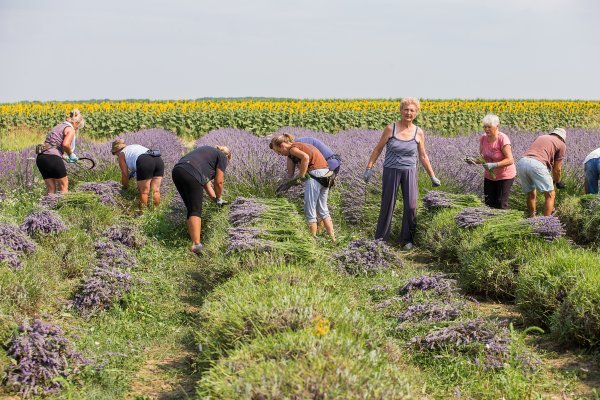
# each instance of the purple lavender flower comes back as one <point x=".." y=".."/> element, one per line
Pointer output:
<point x="14" y="238"/>
<point x="549" y="228"/>
<point x="429" y="312"/>
<point x="244" y="239"/>
<point x="364" y="256"/>
<point x="43" y="222"/>
<point x="471" y="217"/>
<point x="112" y="254"/>
<point x="127" y="235"/>
<point x="41" y="353"/>
<point x="9" y="257"/>
<point x="244" y="211"/>
<point x="106" y="191"/>
<point x="50" y="201"/>
<point x="438" y="283"/>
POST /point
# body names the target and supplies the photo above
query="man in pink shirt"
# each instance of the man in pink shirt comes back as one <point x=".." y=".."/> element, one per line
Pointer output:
<point x="540" y="167"/>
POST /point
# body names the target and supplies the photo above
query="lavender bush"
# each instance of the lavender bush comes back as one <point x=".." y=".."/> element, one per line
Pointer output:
<point x="365" y="256"/>
<point x="43" y="222"/>
<point x="41" y="354"/>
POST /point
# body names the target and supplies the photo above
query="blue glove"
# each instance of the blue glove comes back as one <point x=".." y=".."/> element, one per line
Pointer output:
<point x="72" y="158"/>
<point x="490" y="165"/>
<point x="435" y="181"/>
<point x="367" y="174"/>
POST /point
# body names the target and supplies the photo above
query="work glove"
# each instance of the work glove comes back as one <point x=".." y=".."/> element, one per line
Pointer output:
<point x="470" y="160"/>
<point x="132" y="174"/>
<point x="435" y="181"/>
<point x="72" y="158"/>
<point x="367" y="174"/>
<point x="560" y="185"/>
<point x="220" y="202"/>
<point x="490" y="165"/>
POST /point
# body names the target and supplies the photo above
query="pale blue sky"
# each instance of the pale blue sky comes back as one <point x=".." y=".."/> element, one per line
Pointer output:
<point x="186" y="49"/>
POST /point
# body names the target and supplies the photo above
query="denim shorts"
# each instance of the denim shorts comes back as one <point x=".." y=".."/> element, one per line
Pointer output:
<point x="533" y="175"/>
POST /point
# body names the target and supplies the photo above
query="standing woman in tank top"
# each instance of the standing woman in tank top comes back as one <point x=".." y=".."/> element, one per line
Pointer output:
<point x="59" y="143"/>
<point x="404" y="142"/>
<point x="135" y="160"/>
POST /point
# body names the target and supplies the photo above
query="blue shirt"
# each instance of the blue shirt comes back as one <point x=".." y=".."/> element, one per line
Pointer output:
<point x="332" y="159"/>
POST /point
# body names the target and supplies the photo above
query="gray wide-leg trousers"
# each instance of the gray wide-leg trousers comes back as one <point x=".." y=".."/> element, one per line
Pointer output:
<point x="392" y="179"/>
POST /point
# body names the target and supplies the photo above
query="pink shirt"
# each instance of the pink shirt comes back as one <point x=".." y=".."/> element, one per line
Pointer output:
<point x="492" y="152"/>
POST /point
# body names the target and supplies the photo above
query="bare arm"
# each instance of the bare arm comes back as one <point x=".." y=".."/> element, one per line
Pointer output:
<point x="68" y="139"/>
<point x="291" y="167"/>
<point x="124" y="170"/>
<point x="508" y="157"/>
<point x="208" y="188"/>
<point x="557" y="170"/>
<point x="219" y="181"/>
<point x="304" y="159"/>
<point x="423" y="158"/>
<point x="385" y="136"/>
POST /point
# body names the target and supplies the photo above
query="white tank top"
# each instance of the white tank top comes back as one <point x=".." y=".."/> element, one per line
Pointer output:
<point x="132" y="152"/>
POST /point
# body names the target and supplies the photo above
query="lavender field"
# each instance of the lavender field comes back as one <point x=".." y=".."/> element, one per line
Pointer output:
<point x="98" y="302"/>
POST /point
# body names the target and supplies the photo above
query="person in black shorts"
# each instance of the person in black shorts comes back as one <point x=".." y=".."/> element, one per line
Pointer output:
<point x="192" y="174"/>
<point x="144" y="164"/>
<point x="59" y="144"/>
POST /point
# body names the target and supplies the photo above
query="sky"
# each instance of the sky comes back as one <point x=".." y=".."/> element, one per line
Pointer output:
<point x="188" y="49"/>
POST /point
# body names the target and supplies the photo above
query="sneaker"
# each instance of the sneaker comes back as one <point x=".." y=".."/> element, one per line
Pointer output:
<point x="408" y="246"/>
<point x="197" y="248"/>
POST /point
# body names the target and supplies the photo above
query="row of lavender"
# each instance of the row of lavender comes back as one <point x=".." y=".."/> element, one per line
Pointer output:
<point x="500" y="254"/>
<point x="43" y="356"/>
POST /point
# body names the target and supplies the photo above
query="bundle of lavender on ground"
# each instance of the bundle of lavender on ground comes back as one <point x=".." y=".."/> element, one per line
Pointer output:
<point x="107" y="191"/>
<point x="43" y="222"/>
<point x="365" y="256"/>
<point x="13" y="244"/>
<point x="508" y="227"/>
<point x="435" y="199"/>
<point x="125" y="234"/>
<point x="472" y="217"/>
<point x="42" y="356"/>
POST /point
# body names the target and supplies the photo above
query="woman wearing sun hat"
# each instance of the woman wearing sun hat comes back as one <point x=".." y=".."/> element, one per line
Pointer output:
<point x="145" y="165"/>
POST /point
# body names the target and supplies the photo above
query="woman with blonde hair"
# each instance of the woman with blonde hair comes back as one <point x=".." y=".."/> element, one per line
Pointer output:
<point x="59" y="144"/>
<point x="145" y="165"/>
<point x="192" y="175"/>
<point x="404" y="143"/>
<point x="311" y="168"/>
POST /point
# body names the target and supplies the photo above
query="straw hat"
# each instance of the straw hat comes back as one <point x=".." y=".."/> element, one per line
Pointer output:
<point x="561" y="133"/>
<point x="118" y="145"/>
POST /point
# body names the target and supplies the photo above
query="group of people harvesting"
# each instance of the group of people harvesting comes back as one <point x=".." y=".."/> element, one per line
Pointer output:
<point x="313" y="163"/>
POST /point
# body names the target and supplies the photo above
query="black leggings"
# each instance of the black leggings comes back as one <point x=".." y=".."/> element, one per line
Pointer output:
<point x="190" y="190"/>
<point x="148" y="167"/>
<point x="496" y="192"/>
<point x="51" y="166"/>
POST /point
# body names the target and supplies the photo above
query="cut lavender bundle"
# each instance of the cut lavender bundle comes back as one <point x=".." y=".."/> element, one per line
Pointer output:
<point x="106" y="191"/>
<point x="244" y="211"/>
<point x="127" y="235"/>
<point x="101" y="289"/>
<point x="50" y="201"/>
<point x="14" y="238"/>
<point x="472" y="217"/>
<point x="10" y="257"/>
<point x="42" y="357"/>
<point x="365" y="256"/>
<point x="429" y="312"/>
<point x="113" y="254"/>
<point x="437" y="283"/>
<point x="242" y="239"/>
<point x="549" y="228"/>
<point x="435" y="199"/>
<point x="486" y="341"/>
<point x="44" y="222"/>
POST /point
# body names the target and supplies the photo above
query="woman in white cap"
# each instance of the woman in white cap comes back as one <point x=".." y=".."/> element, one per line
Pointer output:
<point x="59" y="144"/>
<point x="145" y="165"/>
<point x="541" y="168"/>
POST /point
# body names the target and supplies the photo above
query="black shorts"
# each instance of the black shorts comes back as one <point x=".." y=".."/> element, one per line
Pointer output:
<point x="190" y="190"/>
<point x="51" y="166"/>
<point x="148" y="167"/>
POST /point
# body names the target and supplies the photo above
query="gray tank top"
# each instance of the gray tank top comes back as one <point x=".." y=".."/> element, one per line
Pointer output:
<point x="401" y="154"/>
<point x="55" y="138"/>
